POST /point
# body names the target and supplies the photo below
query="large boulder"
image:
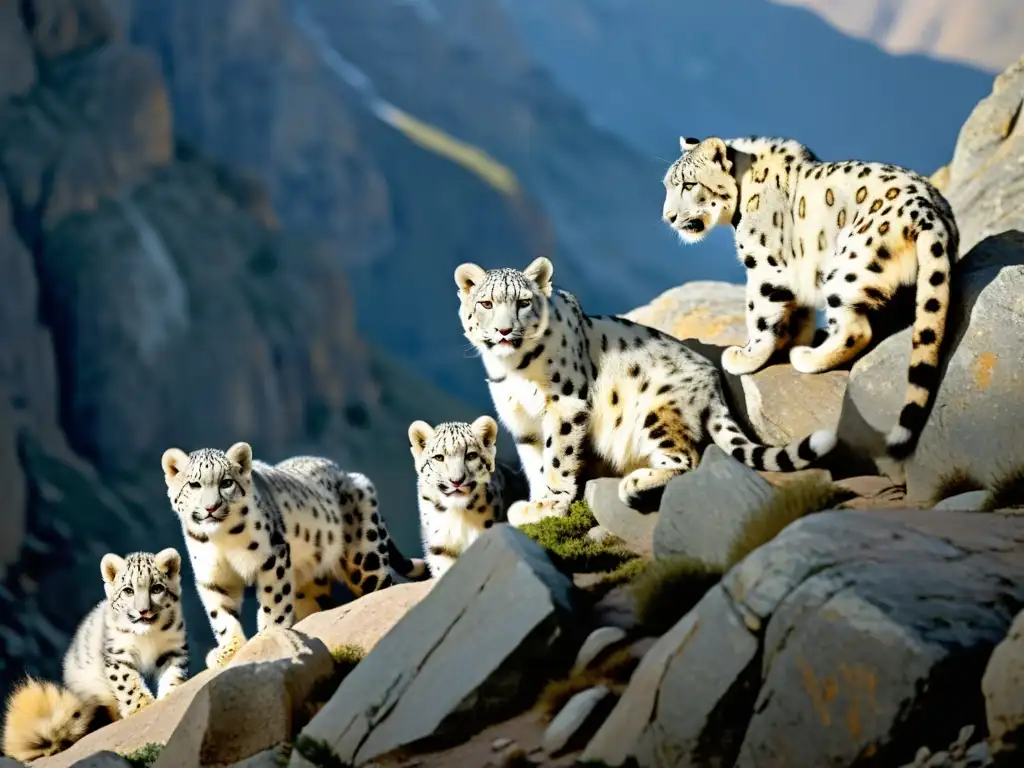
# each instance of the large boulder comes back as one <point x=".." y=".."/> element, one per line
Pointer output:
<point x="778" y="403"/>
<point x="703" y="512"/>
<point x="976" y="422"/>
<point x="853" y="638"/>
<point x="462" y="655"/>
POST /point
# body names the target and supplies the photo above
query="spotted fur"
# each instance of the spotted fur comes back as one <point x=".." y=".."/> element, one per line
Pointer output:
<point x="138" y="630"/>
<point x="571" y="387"/>
<point x="843" y="236"/>
<point x="462" y="489"/>
<point x="292" y="529"/>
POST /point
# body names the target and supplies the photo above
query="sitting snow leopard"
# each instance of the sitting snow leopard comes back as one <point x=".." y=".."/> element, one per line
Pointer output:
<point x="462" y="489"/>
<point x="137" y="630"/>
<point x="569" y="387"/>
<point x="292" y="529"/>
<point x="843" y="236"/>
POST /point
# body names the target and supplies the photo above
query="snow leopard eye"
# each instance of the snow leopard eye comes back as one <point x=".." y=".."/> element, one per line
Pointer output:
<point x="688" y="185"/>
<point x="471" y="455"/>
<point x="438" y="457"/>
<point x="128" y="592"/>
<point x="157" y="589"/>
<point x="485" y="304"/>
<point x="194" y="485"/>
<point x="226" y="483"/>
<point x="524" y="303"/>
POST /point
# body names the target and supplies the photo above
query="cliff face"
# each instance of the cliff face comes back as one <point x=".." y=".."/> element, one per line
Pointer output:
<point x="150" y="297"/>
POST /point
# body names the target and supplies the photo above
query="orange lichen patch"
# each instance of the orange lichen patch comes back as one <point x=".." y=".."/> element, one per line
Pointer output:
<point x="701" y="324"/>
<point x="859" y="684"/>
<point x="983" y="368"/>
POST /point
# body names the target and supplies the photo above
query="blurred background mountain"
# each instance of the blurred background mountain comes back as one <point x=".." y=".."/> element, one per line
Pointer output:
<point x="238" y="219"/>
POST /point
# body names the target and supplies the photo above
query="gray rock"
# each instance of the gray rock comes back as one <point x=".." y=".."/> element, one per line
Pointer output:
<point x="268" y="758"/>
<point x="597" y="642"/>
<point x="834" y="638"/>
<point x="634" y="528"/>
<point x="465" y="650"/>
<point x="986" y="178"/>
<point x="1002" y="685"/>
<point x="572" y="718"/>
<point x="9" y="762"/>
<point x="965" y="502"/>
<point x="103" y="760"/>
<point x="703" y="511"/>
<point x="976" y="422"/>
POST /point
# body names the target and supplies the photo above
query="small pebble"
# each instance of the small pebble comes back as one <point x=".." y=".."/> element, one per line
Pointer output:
<point x="499" y="744"/>
<point x="572" y="717"/>
<point x="596" y="643"/>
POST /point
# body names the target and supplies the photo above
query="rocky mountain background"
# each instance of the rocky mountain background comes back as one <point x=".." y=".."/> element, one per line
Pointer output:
<point x="238" y="220"/>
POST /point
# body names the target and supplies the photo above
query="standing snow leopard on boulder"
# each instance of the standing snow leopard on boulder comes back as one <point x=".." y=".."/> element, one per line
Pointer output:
<point x="291" y="529"/>
<point x="843" y="236"/>
<point x="571" y="387"/>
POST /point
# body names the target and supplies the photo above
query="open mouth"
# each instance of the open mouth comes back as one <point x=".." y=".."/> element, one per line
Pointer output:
<point x="144" y="619"/>
<point x="460" y="491"/>
<point x="693" y="225"/>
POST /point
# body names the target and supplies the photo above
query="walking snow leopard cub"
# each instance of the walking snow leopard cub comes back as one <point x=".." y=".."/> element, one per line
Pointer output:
<point x="291" y="529"/>
<point x="569" y="387"/>
<point x="137" y="630"/>
<point x="462" y="488"/>
<point x="843" y="236"/>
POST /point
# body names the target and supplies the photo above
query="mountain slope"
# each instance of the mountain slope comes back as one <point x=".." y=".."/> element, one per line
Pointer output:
<point x="983" y="33"/>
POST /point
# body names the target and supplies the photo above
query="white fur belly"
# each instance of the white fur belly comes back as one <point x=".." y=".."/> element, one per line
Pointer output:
<point x="617" y="419"/>
<point x="802" y="276"/>
<point x="453" y="529"/>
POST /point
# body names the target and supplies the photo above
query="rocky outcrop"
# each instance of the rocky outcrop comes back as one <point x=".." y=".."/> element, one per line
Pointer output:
<point x="1004" y="706"/>
<point x="811" y="649"/>
<point x="975" y="424"/>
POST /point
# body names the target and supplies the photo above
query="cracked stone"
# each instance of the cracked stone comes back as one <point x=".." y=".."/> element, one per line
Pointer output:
<point x="459" y="658"/>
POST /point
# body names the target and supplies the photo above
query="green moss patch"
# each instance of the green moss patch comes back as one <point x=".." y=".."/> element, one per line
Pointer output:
<point x="566" y="538"/>
<point x="144" y="756"/>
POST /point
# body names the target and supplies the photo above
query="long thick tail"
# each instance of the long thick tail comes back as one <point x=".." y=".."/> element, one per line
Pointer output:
<point x="726" y="434"/>
<point x="368" y="509"/>
<point x="42" y="719"/>
<point x="935" y="255"/>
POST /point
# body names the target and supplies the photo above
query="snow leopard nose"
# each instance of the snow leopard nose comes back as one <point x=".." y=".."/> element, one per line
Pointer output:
<point x="214" y="507"/>
<point x="504" y="331"/>
<point x="458" y="482"/>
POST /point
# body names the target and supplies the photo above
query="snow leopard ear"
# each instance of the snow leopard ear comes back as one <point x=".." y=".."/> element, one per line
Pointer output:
<point x="241" y="454"/>
<point x="168" y="562"/>
<point x="110" y="566"/>
<point x="541" y="271"/>
<point x="686" y="144"/>
<point x="469" y="276"/>
<point x="486" y="430"/>
<point x="714" y="149"/>
<point x="173" y="461"/>
<point x="419" y="433"/>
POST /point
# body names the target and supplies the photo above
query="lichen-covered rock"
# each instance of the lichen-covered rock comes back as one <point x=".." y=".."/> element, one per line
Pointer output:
<point x="458" y="657"/>
<point x="852" y="636"/>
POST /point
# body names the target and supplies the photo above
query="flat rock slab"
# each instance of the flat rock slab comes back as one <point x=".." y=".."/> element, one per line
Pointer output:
<point x="853" y="638"/>
<point x="365" y="621"/>
<point x="703" y="511"/>
<point x="476" y="640"/>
